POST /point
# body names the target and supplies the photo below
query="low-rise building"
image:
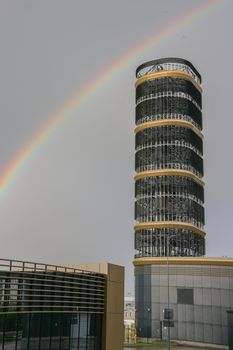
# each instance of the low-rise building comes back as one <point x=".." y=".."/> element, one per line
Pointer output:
<point x="61" y="307"/>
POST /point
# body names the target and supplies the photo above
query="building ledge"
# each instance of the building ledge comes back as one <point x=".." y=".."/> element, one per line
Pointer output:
<point x="203" y="260"/>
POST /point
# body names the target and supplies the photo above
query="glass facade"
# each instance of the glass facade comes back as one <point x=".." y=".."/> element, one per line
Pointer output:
<point x="34" y="331"/>
<point x="50" y="307"/>
<point x="168" y="160"/>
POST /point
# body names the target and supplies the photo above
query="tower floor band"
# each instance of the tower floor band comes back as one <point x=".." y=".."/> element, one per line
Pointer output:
<point x="169" y="172"/>
<point x="158" y="75"/>
<point x="157" y="123"/>
<point x="169" y="224"/>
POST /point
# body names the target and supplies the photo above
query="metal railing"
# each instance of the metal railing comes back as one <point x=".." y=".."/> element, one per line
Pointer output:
<point x="28" y="266"/>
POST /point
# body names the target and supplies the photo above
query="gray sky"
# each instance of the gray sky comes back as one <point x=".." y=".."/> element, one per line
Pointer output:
<point x="73" y="201"/>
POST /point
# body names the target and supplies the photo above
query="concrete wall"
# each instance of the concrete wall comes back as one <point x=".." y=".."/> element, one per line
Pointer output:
<point x="203" y="321"/>
<point x="113" y="330"/>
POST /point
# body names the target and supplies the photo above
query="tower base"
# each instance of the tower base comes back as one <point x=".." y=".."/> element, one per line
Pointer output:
<point x="199" y="290"/>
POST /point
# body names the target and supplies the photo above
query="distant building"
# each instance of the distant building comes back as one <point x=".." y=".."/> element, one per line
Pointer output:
<point x="170" y="268"/>
<point x="61" y="307"/>
<point x="129" y="310"/>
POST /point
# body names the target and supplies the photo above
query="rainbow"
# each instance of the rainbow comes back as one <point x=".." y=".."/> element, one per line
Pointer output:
<point x="13" y="168"/>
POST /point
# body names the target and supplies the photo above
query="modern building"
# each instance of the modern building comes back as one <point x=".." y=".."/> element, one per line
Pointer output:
<point x="129" y="311"/>
<point x="168" y="184"/>
<point x="129" y="320"/>
<point x="170" y="268"/>
<point x="61" y="307"/>
<point x="200" y="294"/>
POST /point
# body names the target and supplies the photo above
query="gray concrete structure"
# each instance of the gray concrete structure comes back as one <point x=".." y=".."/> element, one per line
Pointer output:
<point x="200" y="292"/>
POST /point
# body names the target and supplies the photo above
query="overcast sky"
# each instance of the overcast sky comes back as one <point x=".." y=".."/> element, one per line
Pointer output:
<point x="73" y="201"/>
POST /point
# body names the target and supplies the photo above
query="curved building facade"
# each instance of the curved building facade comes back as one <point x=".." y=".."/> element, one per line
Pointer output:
<point x="200" y="294"/>
<point x="169" y="192"/>
<point x="60" y="307"/>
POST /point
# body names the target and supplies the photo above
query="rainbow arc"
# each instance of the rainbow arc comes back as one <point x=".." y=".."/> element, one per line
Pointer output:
<point x="14" y="167"/>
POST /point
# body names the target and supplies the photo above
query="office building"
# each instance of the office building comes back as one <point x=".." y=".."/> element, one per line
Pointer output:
<point x="170" y="268"/>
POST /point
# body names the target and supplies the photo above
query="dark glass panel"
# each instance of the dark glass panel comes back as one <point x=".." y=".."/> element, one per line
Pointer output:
<point x="93" y="332"/>
<point x="65" y="331"/>
<point x="74" y="332"/>
<point x="144" y="327"/>
<point x="2" y="321"/>
<point x="34" y="335"/>
<point x="45" y="330"/>
<point x="98" y="330"/>
<point x="19" y="331"/>
<point x="83" y="332"/>
<point x="10" y="331"/>
<point x="23" y="338"/>
<point x="185" y="296"/>
<point x="90" y="336"/>
<point x="55" y="331"/>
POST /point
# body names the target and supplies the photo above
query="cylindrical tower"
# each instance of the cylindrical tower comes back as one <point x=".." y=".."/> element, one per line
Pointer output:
<point x="169" y="191"/>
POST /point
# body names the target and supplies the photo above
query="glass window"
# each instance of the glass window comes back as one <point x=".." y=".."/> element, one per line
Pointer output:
<point x="185" y="296"/>
<point x="92" y="328"/>
<point x="55" y="331"/>
<point x="83" y="332"/>
<point x="23" y="336"/>
<point x="19" y="331"/>
<point x="65" y="331"/>
<point x="74" y="332"/>
<point x="34" y="335"/>
<point x="45" y="331"/>
<point x="2" y="321"/>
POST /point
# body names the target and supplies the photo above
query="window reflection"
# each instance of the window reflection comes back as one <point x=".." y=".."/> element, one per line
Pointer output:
<point x="50" y="331"/>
